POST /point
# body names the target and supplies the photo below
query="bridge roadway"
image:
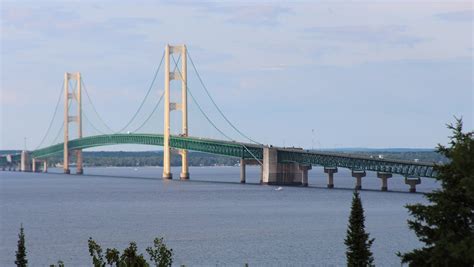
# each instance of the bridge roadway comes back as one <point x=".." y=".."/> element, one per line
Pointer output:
<point x="244" y="151"/>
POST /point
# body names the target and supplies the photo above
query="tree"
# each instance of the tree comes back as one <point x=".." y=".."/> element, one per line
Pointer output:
<point x="130" y="258"/>
<point x="446" y="224"/>
<point x="160" y="254"/>
<point x="95" y="250"/>
<point x="112" y="256"/>
<point x="21" y="260"/>
<point x="60" y="264"/>
<point x="357" y="240"/>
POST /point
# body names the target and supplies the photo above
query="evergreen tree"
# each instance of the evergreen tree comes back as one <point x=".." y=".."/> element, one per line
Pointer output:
<point x="21" y="260"/>
<point x="357" y="240"/>
<point x="446" y="224"/>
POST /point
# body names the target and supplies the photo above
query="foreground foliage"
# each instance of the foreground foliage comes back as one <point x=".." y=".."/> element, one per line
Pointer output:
<point x="357" y="240"/>
<point x="446" y="225"/>
<point x="160" y="255"/>
<point x="21" y="260"/>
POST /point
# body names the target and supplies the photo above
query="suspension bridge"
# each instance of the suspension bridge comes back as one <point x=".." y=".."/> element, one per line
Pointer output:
<point x="278" y="165"/>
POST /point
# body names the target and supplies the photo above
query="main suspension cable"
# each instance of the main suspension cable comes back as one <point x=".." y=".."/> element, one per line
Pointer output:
<point x="200" y="109"/>
<point x="215" y="104"/>
<point x="94" y="109"/>
<point x="146" y="95"/>
<point x="151" y="114"/>
<point x="158" y="103"/>
<point x="210" y="121"/>
<point x="54" y="116"/>
<point x="91" y="124"/>
<point x="62" y="126"/>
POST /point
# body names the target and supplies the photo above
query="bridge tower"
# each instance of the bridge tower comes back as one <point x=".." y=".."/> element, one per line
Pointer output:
<point x="74" y="96"/>
<point x="183" y="107"/>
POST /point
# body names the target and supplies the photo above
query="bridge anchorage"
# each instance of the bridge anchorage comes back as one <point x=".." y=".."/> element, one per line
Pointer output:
<point x="278" y="166"/>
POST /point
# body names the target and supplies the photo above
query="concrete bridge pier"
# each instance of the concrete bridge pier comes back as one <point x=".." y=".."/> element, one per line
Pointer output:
<point x="358" y="175"/>
<point x="66" y="169"/>
<point x="243" y="168"/>
<point x="45" y="166"/>
<point x="242" y="171"/>
<point x="330" y="171"/>
<point x="33" y="165"/>
<point x="304" y="174"/>
<point x="79" y="169"/>
<point x="280" y="173"/>
<point x="412" y="182"/>
<point x="25" y="165"/>
<point x="384" y="176"/>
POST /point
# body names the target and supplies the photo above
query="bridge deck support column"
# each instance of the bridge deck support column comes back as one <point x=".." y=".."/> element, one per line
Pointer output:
<point x="33" y="165"/>
<point x="412" y="182"/>
<point x="261" y="173"/>
<point x="25" y="161"/>
<point x="384" y="176"/>
<point x="45" y="166"/>
<point x="358" y="175"/>
<point x="304" y="174"/>
<point x="79" y="169"/>
<point x="242" y="171"/>
<point x="330" y="171"/>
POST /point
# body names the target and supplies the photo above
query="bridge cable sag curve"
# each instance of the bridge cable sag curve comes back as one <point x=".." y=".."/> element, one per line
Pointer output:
<point x="53" y="117"/>
<point x="94" y="109"/>
<point x="146" y="96"/>
<point x="216" y="106"/>
<point x="156" y="105"/>
<point x="209" y="120"/>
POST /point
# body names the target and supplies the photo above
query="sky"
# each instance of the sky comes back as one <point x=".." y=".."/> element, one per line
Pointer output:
<point x="313" y="74"/>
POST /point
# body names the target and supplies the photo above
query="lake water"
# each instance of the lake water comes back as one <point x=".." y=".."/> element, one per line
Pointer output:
<point x="210" y="220"/>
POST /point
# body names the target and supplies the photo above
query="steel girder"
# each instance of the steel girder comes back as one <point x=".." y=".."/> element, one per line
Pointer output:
<point x="225" y="148"/>
<point x="357" y="162"/>
<point x="245" y="151"/>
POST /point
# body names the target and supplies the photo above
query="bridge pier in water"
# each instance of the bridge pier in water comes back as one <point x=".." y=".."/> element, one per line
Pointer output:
<point x="412" y="182"/>
<point x="384" y="176"/>
<point x="282" y="173"/>
<point x="358" y="175"/>
<point x="304" y="173"/>
<point x="33" y="165"/>
<point x="25" y="165"/>
<point x="243" y="169"/>
<point x="45" y="166"/>
<point x="330" y="171"/>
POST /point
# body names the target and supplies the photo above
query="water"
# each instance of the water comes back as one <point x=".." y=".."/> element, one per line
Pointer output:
<point x="210" y="220"/>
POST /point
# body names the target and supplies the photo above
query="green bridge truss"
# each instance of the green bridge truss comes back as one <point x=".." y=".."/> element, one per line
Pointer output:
<point x="358" y="162"/>
<point x="232" y="149"/>
<point x="244" y="151"/>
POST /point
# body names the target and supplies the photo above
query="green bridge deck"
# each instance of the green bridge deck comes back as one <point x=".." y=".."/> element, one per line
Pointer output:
<point x="245" y="151"/>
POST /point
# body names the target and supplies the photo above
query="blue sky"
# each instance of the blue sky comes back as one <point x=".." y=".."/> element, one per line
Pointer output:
<point x="311" y="74"/>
